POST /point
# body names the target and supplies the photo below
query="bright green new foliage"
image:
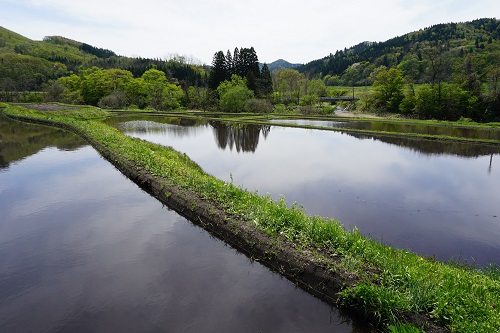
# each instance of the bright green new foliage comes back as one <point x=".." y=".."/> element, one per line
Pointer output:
<point x="234" y="94"/>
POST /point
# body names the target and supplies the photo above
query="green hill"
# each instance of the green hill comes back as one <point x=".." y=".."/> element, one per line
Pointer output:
<point x="52" y="48"/>
<point x="27" y="65"/>
<point x="280" y="64"/>
<point x="9" y="39"/>
<point x="442" y="46"/>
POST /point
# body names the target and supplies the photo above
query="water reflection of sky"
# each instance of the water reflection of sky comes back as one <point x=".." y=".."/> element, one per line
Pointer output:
<point x="309" y="122"/>
<point x="456" y="131"/>
<point x="84" y="249"/>
<point x="442" y="205"/>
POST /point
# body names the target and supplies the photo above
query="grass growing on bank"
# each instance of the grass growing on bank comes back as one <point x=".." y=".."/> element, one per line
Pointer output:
<point x="390" y="283"/>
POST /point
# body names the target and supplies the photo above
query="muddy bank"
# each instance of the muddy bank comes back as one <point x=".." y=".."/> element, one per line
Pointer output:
<point x="313" y="270"/>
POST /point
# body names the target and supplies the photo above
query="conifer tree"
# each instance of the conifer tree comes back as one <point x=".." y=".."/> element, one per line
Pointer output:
<point x="266" y="82"/>
<point x="230" y="63"/>
<point x="251" y="81"/>
<point x="236" y="62"/>
<point x="244" y="63"/>
<point x="248" y="61"/>
<point x="219" y="71"/>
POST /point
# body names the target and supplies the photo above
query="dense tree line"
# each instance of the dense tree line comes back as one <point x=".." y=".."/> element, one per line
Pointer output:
<point x="187" y="74"/>
<point x="237" y="83"/>
<point x="27" y="73"/>
<point x="98" y="52"/>
<point x="243" y="63"/>
<point x="447" y="71"/>
<point x="117" y="88"/>
<point x="464" y="98"/>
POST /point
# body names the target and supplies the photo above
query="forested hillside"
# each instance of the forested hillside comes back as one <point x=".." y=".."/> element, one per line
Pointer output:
<point x="424" y="56"/>
<point x="447" y="71"/>
<point x="27" y="65"/>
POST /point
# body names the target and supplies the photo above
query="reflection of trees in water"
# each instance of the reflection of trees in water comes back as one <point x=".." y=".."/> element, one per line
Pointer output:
<point x="453" y="131"/>
<point x="242" y="137"/>
<point x="19" y="140"/>
<point x="3" y="163"/>
<point x="177" y="128"/>
<point x="435" y="147"/>
<point x="491" y="161"/>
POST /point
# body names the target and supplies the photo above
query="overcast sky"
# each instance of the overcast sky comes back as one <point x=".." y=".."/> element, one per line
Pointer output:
<point x="297" y="31"/>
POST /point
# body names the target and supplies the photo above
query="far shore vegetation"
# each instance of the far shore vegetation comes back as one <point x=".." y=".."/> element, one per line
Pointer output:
<point x="444" y="72"/>
<point x="393" y="288"/>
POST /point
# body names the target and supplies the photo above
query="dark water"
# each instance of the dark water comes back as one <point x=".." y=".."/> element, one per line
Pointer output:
<point x="436" y="198"/>
<point x="400" y="127"/>
<point x="83" y="249"/>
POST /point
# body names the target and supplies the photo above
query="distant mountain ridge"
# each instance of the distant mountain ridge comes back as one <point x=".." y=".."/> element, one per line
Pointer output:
<point x="280" y="64"/>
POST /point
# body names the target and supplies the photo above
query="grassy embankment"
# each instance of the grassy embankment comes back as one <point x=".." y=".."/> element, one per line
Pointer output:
<point x="390" y="286"/>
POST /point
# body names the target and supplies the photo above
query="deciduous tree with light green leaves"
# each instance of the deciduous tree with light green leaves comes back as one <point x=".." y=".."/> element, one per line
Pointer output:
<point x="444" y="101"/>
<point x="118" y="88"/>
<point x="97" y="83"/>
<point x="289" y="85"/>
<point x="234" y="94"/>
<point x="388" y="88"/>
<point x="161" y="95"/>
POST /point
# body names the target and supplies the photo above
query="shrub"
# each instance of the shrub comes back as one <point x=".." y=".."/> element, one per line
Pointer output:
<point x="235" y="98"/>
<point x="33" y="97"/>
<point x="115" y="100"/>
<point x="308" y="100"/>
<point x="256" y="105"/>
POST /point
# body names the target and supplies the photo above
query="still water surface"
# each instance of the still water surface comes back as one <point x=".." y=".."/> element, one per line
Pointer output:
<point x="440" y="199"/>
<point x="83" y="249"/>
<point x="401" y="127"/>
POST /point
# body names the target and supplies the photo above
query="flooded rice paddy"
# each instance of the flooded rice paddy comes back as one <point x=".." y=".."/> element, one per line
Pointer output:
<point x="83" y="249"/>
<point x="439" y="199"/>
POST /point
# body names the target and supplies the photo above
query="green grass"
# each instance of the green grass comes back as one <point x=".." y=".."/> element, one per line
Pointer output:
<point x="389" y="282"/>
<point x="404" y="328"/>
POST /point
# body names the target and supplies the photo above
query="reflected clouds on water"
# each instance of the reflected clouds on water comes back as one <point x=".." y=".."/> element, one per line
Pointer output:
<point x="436" y="198"/>
<point x="84" y="249"/>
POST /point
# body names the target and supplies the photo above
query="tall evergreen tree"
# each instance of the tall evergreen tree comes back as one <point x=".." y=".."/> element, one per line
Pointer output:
<point x="244" y="63"/>
<point x="236" y="61"/>
<point x="230" y="63"/>
<point x="252" y="81"/>
<point x="219" y="71"/>
<point x="266" y="82"/>
<point x="248" y="61"/>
